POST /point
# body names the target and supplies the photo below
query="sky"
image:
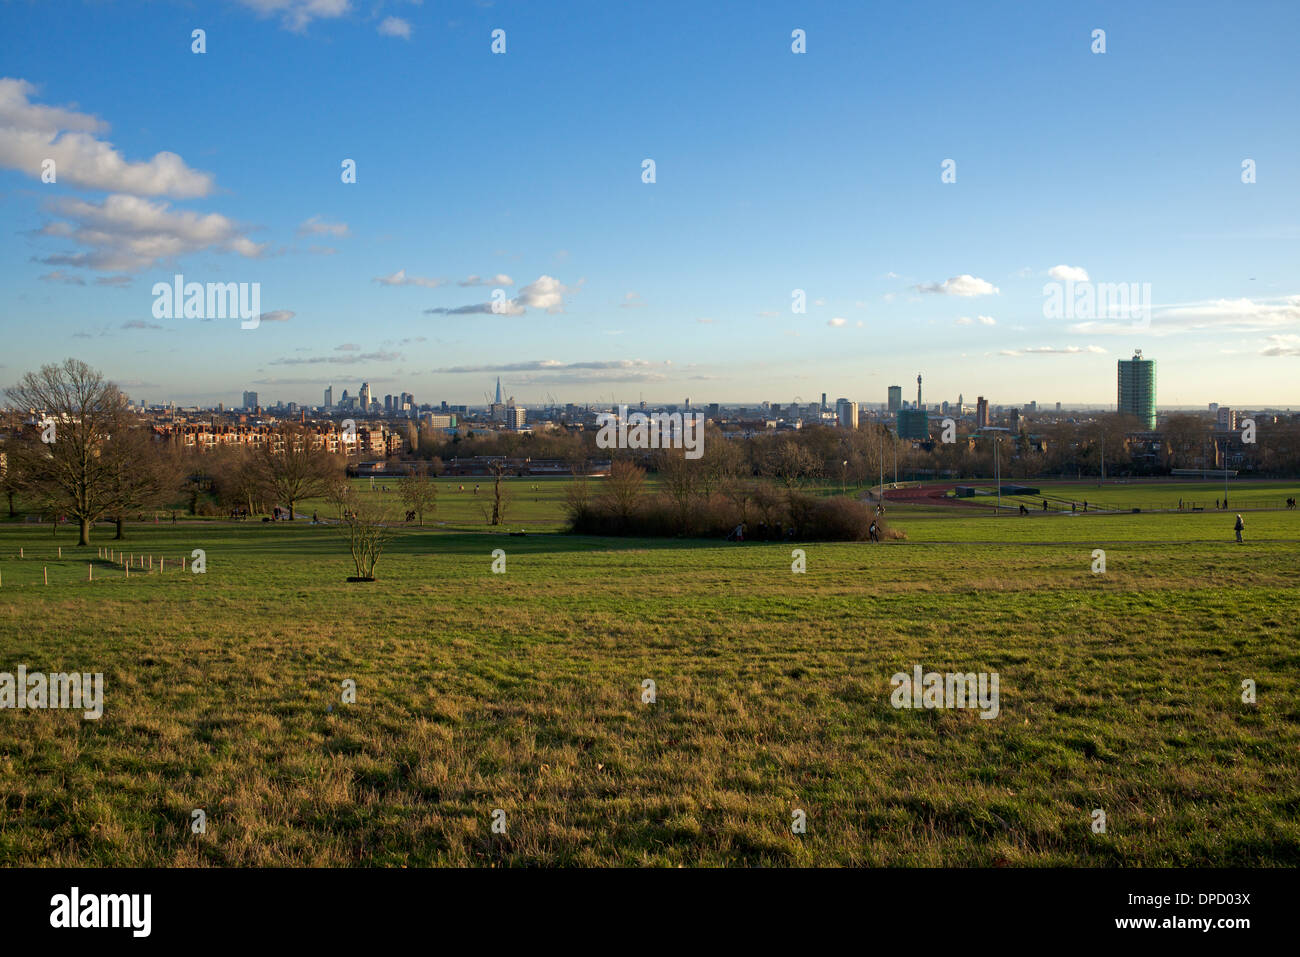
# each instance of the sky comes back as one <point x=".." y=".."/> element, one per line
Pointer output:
<point x="522" y="174"/>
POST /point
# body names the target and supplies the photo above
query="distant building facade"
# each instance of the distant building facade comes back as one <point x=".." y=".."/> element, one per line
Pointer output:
<point x="1137" y="389"/>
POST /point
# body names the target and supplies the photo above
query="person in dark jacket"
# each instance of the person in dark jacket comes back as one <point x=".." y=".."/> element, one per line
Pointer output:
<point x="1240" y="526"/>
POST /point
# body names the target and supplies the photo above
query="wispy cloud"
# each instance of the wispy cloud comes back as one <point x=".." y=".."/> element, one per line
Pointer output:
<point x="395" y="27"/>
<point x="545" y="292"/>
<point x="1054" y="351"/>
<point x="400" y="278"/>
<point x="318" y="227"/>
<point x="349" y="359"/>
<point x="963" y="285"/>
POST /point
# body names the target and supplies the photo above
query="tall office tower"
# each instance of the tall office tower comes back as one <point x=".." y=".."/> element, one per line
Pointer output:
<point x="959" y="403"/>
<point x="498" y="402"/>
<point x="895" y="398"/>
<point x="1226" y="419"/>
<point x="1137" y="389"/>
<point x="250" y="400"/>
<point x="388" y="405"/>
<point x="846" y="414"/>
<point x="329" y="397"/>
<point x="365" y="397"/>
<point x="981" y="413"/>
<point x="918" y="391"/>
<point x="823" y="401"/>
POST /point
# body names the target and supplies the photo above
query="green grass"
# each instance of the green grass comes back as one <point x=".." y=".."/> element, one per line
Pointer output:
<point x="1127" y="495"/>
<point x="522" y="692"/>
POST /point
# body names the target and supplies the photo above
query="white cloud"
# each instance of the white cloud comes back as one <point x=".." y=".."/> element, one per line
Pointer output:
<point x="963" y="285"/>
<point x="1214" y="315"/>
<point x="278" y="315"/>
<point x="128" y="234"/>
<point x="318" y="227"/>
<point x="987" y="321"/>
<point x="500" y="279"/>
<point x="837" y="322"/>
<point x="633" y="300"/>
<point x="395" y="27"/>
<point x="545" y="292"/>
<point x="295" y="15"/>
<point x="1283" y="345"/>
<point x="1068" y="273"/>
<point x="348" y="359"/>
<point x="59" y="275"/>
<point x="31" y="134"/>
<point x="1053" y="351"/>
<point x="554" y="372"/>
<point x="400" y="278"/>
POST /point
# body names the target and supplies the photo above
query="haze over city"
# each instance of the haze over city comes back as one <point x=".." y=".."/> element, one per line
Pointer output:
<point x="822" y="173"/>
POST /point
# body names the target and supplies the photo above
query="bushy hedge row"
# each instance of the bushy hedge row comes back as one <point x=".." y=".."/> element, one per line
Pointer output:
<point x="779" y="516"/>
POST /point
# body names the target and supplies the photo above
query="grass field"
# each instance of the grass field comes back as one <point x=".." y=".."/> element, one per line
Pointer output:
<point x="522" y="692"/>
<point x="1150" y="496"/>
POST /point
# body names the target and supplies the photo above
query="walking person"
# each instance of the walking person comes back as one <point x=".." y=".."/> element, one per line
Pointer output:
<point x="1240" y="526"/>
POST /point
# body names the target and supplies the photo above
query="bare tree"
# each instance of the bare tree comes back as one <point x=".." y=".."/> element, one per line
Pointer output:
<point x="680" y="479"/>
<point x="501" y="496"/>
<point x="623" y="487"/>
<point x="141" y="474"/>
<point x="239" y="478"/>
<point x="295" y="467"/>
<point x="366" y="528"/>
<point x="790" y="462"/>
<point x="74" y="473"/>
<point x="11" y="459"/>
<point x="418" y="492"/>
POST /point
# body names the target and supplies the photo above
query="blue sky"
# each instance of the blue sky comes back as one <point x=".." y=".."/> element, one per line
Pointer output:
<point x="775" y="171"/>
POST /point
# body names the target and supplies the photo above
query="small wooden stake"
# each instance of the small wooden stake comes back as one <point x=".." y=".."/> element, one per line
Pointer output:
<point x="47" y="574"/>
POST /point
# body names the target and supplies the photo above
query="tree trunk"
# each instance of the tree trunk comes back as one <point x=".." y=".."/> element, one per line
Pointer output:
<point x="121" y="534"/>
<point x="85" y="532"/>
<point x="12" y="513"/>
<point x="291" y="509"/>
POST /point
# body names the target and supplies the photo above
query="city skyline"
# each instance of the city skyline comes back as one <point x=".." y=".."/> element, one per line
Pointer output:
<point x="553" y="264"/>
